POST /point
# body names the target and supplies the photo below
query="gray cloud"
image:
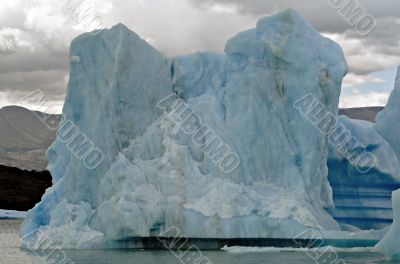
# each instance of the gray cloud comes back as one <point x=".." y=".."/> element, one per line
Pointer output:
<point x="43" y="29"/>
<point x="384" y="40"/>
<point x="320" y="13"/>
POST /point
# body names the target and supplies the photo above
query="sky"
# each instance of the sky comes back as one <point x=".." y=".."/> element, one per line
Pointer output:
<point x="35" y="37"/>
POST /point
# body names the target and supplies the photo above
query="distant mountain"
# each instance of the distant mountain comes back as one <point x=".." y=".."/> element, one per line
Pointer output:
<point x="24" y="138"/>
<point x="362" y="113"/>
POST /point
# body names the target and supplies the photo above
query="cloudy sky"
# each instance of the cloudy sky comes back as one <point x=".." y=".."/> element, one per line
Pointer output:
<point x="35" y="35"/>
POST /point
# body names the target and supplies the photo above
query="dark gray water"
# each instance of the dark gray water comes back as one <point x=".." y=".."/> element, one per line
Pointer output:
<point x="10" y="253"/>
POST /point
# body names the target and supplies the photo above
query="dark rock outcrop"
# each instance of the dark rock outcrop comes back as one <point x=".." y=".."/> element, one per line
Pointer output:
<point x="21" y="189"/>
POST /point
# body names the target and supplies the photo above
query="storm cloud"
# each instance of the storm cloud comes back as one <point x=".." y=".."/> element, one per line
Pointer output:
<point x="35" y="36"/>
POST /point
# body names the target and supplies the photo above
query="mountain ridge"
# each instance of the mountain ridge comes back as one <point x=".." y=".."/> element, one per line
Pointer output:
<point x="24" y="138"/>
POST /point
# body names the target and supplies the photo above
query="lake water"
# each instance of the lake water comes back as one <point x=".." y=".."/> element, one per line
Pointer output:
<point x="10" y="253"/>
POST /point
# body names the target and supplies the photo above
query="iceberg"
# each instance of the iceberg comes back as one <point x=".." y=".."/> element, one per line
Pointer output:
<point x="363" y="197"/>
<point x="388" y="120"/>
<point x="11" y="214"/>
<point x="369" y="199"/>
<point x="210" y="144"/>
<point x="388" y="125"/>
<point x="390" y="244"/>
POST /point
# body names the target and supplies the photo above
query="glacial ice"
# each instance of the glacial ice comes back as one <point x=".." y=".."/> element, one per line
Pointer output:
<point x="324" y="250"/>
<point x="11" y="214"/>
<point x="388" y="120"/>
<point x="363" y="198"/>
<point x="369" y="200"/>
<point x="156" y="175"/>
<point x="388" y="125"/>
<point x="390" y="244"/>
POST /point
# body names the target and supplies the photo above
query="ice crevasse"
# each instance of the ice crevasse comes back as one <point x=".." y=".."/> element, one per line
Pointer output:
<point x="157" y="173"/>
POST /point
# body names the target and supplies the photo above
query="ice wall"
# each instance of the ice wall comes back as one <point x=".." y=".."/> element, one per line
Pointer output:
<point x="388" y="125"/>
<point x="363" y="197"/>
<point x="158" y="172"/>
<point x="388" y="120"/>
<point x="390" y="244"/>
